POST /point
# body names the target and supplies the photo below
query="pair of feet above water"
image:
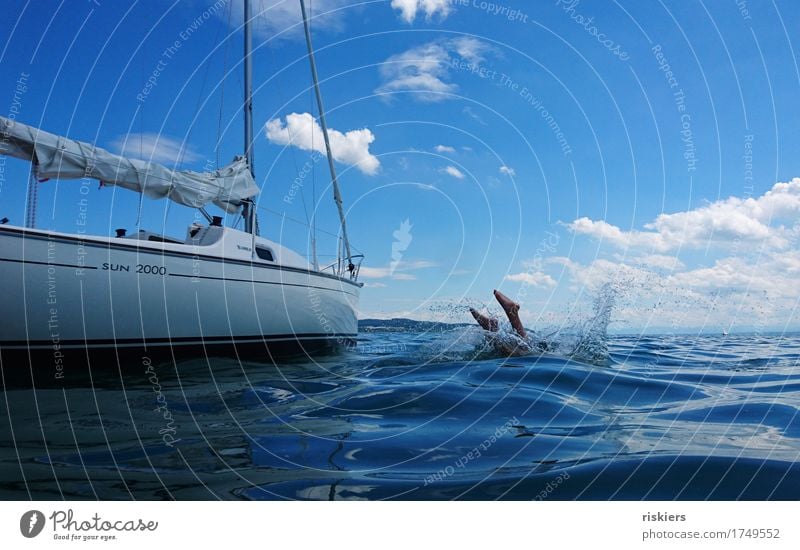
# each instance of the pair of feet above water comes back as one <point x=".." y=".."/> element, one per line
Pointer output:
<point x="519" y="343"/>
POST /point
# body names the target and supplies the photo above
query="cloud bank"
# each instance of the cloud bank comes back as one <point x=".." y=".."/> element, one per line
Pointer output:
<point x="761" y="220"/>
<point x="743" y="277"/>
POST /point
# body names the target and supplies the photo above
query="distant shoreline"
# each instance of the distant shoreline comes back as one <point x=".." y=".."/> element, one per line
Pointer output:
<point x="405" y="324"/>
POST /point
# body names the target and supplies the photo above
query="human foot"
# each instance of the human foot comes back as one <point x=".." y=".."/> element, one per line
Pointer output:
<point x="509" y="306"/>
<point x="512" y="311"/>
<point x="488" y="323"/>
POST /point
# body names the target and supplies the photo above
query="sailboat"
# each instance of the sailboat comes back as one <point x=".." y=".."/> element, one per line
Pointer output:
<point x="217" y="291"/>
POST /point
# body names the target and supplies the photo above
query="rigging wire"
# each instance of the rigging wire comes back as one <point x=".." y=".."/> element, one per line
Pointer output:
<point x="336" y="193"/>
<point x="139" y="212"/>
<point x="301" y="222"/>
<point x="141" y="145"/>
<point x="32" y="200"/>
<point x="313" y="174"/>
<point x="222" y="88"/>
<point x="141" y="112"/>
<point x="182" y="152"/>
<point x="282" y="98"/>
<point x="292" y="154"/>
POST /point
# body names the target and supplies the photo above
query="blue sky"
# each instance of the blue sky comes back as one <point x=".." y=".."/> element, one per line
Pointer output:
<point x="544" y="148"/>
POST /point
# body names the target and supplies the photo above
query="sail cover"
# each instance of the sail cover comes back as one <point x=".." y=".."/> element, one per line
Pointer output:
<point x="63" y="158"/>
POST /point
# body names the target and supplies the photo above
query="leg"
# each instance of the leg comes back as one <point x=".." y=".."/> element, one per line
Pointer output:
<point x="512" y="311"/>
<point x="488" y="323"/>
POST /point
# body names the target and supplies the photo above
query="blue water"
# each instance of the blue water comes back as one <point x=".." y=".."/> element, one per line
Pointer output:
<point x="426" y="412"/>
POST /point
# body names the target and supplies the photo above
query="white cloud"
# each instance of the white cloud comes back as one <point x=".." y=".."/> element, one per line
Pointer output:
<point x="533" y="278"/>
<point x="508" y="171"/>
<point x="444" y="149"/>
<point x="453" y="171"/>
<point x="154" y="147"/>
<point x="775" y="273"/>
<point x="660" y="261"/>
<point x="473" y="115"/>
<point x="596" y="273"/>
<point x="752" y="220"/>
<point x="399" y="271"/>
<point x="368" y="272"/>
<point x="421" y="70"/>
<point x="425" y="70"/>
<point x="283" y="18"/>
<point x="470" y="48"/>
<point x="410" y="8"/>
<point x="303" y="131"/>
<point x="424" y="186"/>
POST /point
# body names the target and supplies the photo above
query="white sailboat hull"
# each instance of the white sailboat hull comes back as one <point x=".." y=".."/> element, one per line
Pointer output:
<point x="72" y="292"/>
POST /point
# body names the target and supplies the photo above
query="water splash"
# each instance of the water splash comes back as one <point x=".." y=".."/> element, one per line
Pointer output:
<point x="590" y="344"/>
<point x="581" y="339"/>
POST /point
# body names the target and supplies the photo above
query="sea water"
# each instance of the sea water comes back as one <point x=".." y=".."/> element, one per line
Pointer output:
<point x="424" y="411"/>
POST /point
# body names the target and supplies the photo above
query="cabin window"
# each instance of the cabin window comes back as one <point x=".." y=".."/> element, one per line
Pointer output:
<point x="162" y="239"/>
<point x="264" y="254"/>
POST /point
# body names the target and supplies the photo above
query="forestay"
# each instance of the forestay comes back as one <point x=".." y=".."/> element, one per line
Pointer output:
<point x="63" y="158"/>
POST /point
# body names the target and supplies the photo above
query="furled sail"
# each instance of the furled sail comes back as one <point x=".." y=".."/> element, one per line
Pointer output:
<point x="63" y="158"/>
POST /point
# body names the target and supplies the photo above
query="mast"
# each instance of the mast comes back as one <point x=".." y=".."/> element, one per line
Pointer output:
<point x="337" y="196"/>
<point x="32" y="202"/>
<point x="248" y="207"/>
